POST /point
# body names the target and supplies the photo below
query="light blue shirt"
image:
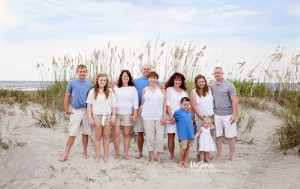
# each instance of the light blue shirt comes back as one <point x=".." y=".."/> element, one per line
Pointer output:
<point x="78" y="90"/>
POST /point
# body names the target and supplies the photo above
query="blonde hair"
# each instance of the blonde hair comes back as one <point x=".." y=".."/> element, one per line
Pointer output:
<point x="207" y="119"/>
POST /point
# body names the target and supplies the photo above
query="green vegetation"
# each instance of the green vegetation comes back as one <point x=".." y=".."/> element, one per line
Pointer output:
<point x="253" y="87"/>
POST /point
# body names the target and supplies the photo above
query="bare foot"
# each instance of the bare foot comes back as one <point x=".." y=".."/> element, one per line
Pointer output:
<point x="127" y="157"/>
<point x="116" y="155"/>
<point x="179" y="164"/>
<point x="85" y="156"/>
<point x="172" y="157"/>
<point x="232" y="158"/>
<point x="186" y="165"/>
<point x="105" y="159"/>
<point x="152" y="161"/>
<point x="159" y="162"/>
<point x="219" y="158"/>
<point x="138" y="155"/>
<point x="62" y="159"/>
<point x="97" y="160"/>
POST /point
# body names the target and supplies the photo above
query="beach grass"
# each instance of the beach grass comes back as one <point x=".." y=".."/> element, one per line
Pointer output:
<point x="254" y="84"/>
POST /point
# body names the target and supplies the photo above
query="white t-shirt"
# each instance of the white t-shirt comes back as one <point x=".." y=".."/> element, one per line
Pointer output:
<point x="127" y="99"/>
<point x="205" y="104"/>
<point x="174" y="98"/>
<point x="101" y="105"/>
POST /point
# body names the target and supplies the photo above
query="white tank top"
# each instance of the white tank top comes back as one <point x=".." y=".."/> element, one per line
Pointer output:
<point x="153" y="105"/>
<point x="205" y="104"/>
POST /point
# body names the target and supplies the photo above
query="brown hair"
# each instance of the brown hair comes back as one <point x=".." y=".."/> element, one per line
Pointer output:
<point x="153" y="74"/>
<point x="205" y="89"/>
<point x="96" y="86"/>
<point x="170" y="82"/>
<point x="80" y="66"/>
<point x="184" y="99"/>
<point x="130" y="82"/>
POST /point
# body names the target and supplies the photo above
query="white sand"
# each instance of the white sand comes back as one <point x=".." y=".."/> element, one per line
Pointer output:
<point x="31" y="160"/>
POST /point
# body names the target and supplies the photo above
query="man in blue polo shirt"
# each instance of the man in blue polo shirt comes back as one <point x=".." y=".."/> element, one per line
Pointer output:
<point x="225" y="111"/>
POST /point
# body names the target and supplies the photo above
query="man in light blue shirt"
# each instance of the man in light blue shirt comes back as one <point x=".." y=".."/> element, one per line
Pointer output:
<point x="140" y="84"/>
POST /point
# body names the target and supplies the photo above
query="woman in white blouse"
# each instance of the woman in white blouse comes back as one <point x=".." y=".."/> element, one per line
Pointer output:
<point x="153" y="112"/>
<point x="101" y="111"/>
<point x="175" y="91"/>
<point x="202" y="103"/>
<point x="127" y="107"/>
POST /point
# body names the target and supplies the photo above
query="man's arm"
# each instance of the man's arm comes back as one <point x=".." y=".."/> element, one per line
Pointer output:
<point x="67" y="103"/>
<point x="235" y="103"/>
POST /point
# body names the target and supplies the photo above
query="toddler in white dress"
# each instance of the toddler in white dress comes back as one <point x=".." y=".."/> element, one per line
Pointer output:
<point x="206" y="143"/>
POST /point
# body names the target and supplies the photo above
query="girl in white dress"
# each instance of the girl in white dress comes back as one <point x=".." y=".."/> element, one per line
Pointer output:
<point x="175" y="91"/>
<point x="206" y="143"/>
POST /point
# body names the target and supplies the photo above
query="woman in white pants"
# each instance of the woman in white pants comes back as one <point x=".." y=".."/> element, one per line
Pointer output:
<point x="153" y="112"/>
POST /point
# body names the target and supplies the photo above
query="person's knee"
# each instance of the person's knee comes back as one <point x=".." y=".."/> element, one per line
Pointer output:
<point x="116" y="133"/>
<point x="98" y="138"/>
<point x="106" y="137"/>
<point x="126" y="135"/>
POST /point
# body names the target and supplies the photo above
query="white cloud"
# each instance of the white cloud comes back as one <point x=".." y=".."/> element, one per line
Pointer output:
<point x="33" y="31"/>
<point x="7" y="18"/>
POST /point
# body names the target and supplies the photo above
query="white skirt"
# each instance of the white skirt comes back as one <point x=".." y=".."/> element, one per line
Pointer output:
<point x="170" y="128"/>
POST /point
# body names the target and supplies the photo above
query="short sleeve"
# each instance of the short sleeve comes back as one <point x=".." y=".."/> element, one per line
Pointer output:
<point x="69" y="88"/>
<point x="113" y="98"/>
<point x="90" y="97"/>
<point x="232" y="90"/>
<point x="169" y="95"/>
<point x="135" y="99"/>
<point x="176" y="115"/>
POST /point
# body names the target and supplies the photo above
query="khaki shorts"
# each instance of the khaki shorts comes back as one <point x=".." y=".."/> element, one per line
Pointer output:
<point x="139" y="126"/>
<point x="79" y="122"/>
<point x="223" y="123"/>
<point x="123" y="120"/>
<point x="186" y="143"/>
<point x="100" y="119"/>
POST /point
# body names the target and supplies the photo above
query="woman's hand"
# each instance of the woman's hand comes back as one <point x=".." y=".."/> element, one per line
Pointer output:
<point x="92" y="122"/>
<point x="172" y="120"/>
<point x="133" y="119"/>
<point x="112" y="120"/>
<point x="163" y="121"/>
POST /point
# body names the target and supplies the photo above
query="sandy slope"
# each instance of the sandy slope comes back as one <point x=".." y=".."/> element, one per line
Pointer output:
<point x="31" y="160"/>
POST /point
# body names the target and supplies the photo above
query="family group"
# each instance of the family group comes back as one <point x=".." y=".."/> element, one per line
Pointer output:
<point x="153" y="109"/>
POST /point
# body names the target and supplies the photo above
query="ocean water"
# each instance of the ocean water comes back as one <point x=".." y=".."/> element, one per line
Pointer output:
<point x="21" y="85"/>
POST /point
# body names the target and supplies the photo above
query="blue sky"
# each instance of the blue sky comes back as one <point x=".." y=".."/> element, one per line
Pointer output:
<point x="33" y="31"/>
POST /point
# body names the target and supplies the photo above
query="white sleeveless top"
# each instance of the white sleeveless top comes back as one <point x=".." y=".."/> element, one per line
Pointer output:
<point x="205" y="104"/>
<point x="153" y="105"/>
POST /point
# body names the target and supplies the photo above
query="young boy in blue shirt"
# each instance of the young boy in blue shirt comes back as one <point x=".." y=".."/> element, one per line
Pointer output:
<point x="185" y="130"/>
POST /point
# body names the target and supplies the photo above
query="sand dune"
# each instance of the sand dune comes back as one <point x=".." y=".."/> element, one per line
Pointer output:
<point x="31" y="160"/>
